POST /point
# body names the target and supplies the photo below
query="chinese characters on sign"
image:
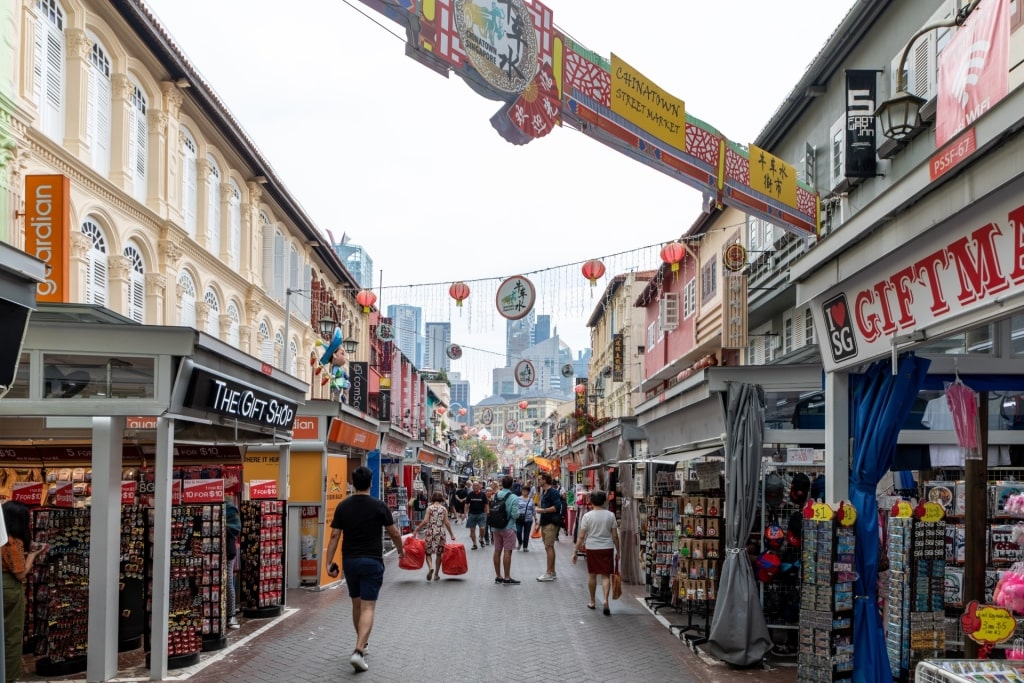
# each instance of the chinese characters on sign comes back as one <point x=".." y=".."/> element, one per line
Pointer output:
<point x="860" y="124"/>
<point x="499" y="40"/>
<point x="515" y="297"/>
<point x="734" y="305"/>
<point x="618" y="356"/>
<point x="525" y="373"/>
<point x="772" y="176"/>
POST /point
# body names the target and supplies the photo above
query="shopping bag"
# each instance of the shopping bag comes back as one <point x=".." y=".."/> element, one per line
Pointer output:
<point x="415" y="553"/>
<point x="616" y="583"/>
<point x="453" y="559"/>
<point x="536" y="531"/>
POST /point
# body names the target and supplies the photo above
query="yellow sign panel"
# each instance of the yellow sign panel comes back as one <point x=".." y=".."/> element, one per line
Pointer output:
<point x="635" y="98"/>
<point x="823" y="512"/>
<point x="933" y="512"/>
<point x="772" y="176"/>
<point x="986" y="624"/>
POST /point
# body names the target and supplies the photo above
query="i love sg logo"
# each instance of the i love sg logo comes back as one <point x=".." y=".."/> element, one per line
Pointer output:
<point x="839" y="328"/>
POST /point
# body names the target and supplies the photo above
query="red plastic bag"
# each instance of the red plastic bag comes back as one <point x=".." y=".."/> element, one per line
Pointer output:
<point x="453" y="559"/>
<point x="415" y="552"/>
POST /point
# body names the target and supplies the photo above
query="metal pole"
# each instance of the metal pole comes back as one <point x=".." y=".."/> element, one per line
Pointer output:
<point x="287" y="324"/>
<point x="975" y="478"/>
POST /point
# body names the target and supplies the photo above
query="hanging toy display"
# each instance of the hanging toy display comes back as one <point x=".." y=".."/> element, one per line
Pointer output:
<point x="329" y="360"/>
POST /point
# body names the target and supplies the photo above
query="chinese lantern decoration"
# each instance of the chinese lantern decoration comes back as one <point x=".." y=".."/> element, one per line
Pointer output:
<point x="460" y="292"/>
<point x="523" y="405"/>
<point x="592" y="270"/>
<point x="441" y="410"/>
<point x="673" y="254"/>
<point x="580" y="390"/>
<point x="366" y="299"/>
<point x="462" y="412"/>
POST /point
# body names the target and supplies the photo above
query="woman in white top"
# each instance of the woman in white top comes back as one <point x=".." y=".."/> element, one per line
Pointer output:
<point x="598" y="533"/>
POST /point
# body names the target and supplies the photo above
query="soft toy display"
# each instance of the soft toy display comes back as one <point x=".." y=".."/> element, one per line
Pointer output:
<point x="329" y="360"/>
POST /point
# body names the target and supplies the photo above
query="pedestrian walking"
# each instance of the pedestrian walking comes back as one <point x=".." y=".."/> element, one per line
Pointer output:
<point x="598" y="533"/>
<point x="524" y="520"/>
<point x="550" y="514"/>
<point x="460" y="502"/>
<point x="357" y="524"/>
<point x="476" y="513"/>
<point x="233" y="528"/>
<point x="19" y="555"/>
<point x="435" y="521"/>
<point x="503" y="530"/>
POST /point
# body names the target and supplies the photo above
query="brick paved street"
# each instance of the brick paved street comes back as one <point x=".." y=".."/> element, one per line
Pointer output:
<point x="442" y="631"/>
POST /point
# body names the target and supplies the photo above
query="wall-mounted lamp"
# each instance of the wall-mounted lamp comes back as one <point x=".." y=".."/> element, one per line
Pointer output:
<point x="900" y="115"/>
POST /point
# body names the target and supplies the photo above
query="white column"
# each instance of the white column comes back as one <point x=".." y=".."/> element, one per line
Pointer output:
<point x="104" y="548"/>
<point x="284" y="470"/>
<point x="837" y="436"/>
<point x="161" y="546"/>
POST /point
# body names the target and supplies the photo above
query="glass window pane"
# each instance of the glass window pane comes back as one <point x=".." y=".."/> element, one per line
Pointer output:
<point x="85" y="376"/>
<point x="20" y="387"/>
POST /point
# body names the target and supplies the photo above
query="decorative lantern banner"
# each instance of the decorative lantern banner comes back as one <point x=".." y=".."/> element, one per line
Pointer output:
<point x="593" y="270"/>
<point x="645" y="105"/>
<point x="618" y="356"/>
<point x="366" y="299"/>
<point x="460" y="292"/>
<point x="973" y="69"/>
<point x="772" y="176"/>
<point x="734" y="257"/>
<point x="673" y="254"/>
<point x="501" y="44"/>
<point x="860" y="124"/>
<point x="453" y="351"/>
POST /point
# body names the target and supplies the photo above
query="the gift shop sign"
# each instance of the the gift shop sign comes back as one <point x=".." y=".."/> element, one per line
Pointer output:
<point x="239" y="401"/>
<point x="970" y="267"/>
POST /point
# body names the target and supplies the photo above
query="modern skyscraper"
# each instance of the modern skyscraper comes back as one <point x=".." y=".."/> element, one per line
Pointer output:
<point x="542" y="330"/>
<point x="357" y="261"/>
<point x="518" y="337"/>
<point x="438" y="337"/>
<point x="408" y="321"/>
<point x="460" y="395"/>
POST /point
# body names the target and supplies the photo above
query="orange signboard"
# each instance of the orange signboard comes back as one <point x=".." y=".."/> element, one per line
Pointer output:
<point x="306" y="427"/>
<point x="337" y="487"/>
<point x="349" y="435"/>
<point x="47" y="232"/>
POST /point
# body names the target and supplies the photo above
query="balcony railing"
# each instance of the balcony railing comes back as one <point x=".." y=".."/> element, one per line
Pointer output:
<point x="769" y="269"/>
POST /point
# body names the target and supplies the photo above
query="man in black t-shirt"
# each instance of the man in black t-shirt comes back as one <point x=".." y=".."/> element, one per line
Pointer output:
<point x="476" y="512"/>
<point x="357" y="523"/>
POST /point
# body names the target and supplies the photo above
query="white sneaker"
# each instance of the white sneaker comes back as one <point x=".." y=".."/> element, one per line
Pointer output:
<point x="546" y="577"/>
<point x="358" y="662"/>
<point x="233" y="623"/>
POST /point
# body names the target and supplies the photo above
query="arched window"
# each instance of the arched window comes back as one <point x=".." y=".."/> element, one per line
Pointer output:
<point x="136" y="307"/>
<point x="235" y="227"/>
<point x="213" y="207"/>
<point x="266" y="343"/>
<point x="188" y="182"/>
<point x="98" y="115"/>
<point x="138" y="142"/>
<point x="277" y="290"/>
<point x="293" y="359"/>
<point x="48" y="72"/>
<point x="213" y="317"/>
<point x="188" y="299"/>
<point x="234" y="338"/>
<point x="278" y="344"/>
<point x="96" y="264"/>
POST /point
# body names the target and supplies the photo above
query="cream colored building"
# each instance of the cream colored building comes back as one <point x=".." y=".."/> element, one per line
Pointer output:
<point x="176" y="218"/>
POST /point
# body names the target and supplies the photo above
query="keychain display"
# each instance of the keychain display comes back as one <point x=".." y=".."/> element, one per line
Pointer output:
<point x="261" y="548"/>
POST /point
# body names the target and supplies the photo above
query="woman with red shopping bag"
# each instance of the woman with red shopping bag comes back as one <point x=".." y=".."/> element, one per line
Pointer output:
<point x="435" y="521"/>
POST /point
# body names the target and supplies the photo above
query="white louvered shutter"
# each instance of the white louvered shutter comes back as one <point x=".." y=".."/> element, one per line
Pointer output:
<point x="49" y="69"/>
<point x="213" y="209"/>
<point x="138" y="130"/>
<point x="188" y="300"/>
<point x="798" y="330"/>
<point x="98" y="124"/>
<point x="188" y="184"/>
<point x="234" y="338"/>
<point x="235" y="236"/>
<point x="266" y="344"/>
<point x="95" y="265"/>
<point x="136" y="308"/>
<point x="279" y="266"/>
<point x="268" y="258"/>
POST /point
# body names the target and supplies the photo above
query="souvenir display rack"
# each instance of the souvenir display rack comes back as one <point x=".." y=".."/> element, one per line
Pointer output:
<point x="261" y="551"/>
<point x="61" y="594"/>
<point x="184" y="617"/>
<point x="131" y="594"/>
<point x="700" y="561"/>
<point x="826" y="602"/>
<point x="208" y="521"/>
<point x="915" y="615"/>
<point x="659" y="550"/>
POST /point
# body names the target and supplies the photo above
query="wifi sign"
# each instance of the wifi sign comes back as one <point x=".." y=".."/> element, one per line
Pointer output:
<point x="969" y="73"/>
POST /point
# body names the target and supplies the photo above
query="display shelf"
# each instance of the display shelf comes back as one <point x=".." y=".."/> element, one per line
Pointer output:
<point x="184" y="616"/>
<point x="261" y="549"/>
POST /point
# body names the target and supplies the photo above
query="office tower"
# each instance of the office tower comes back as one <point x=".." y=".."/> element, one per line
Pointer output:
<point x="437" y="338"/>
<point x="542" y="330"/>
<point x="407" y="321"/>
<point x="518" y="337"/>
<point x="460" y="394"/>
<point x="357" y="261"/>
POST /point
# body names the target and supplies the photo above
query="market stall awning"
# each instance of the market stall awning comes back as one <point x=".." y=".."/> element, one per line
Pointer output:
<point x="670" y="458"/>
<point x="543" y="463"/>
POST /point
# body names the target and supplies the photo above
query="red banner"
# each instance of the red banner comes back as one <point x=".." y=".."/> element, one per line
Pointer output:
<point x="129" y="489"/>
<point x="64" y="496"/>
<point x="973" y="69"/>
<point x="202" y="491"/>
<point x="263" y="489"/>
<point x="29" y="493"/>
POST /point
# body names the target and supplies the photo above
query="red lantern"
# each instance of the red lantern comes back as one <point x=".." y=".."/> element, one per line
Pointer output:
<point x="462" y="412"/>
<point x="366" y="299"/>
<point x="523" y="405"/>
<point x="440" y="410"/>
<point x="673" y="253"/>
<point x="592" y="270"/>
<point x="580" y="390"/>
<point x="460" y="292"/>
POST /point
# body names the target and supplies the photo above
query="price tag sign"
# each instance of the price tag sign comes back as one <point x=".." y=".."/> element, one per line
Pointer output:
<point x="932" y="512"/>
<point x="64" y="497"/>
<point x="986" y="624"/>
<point x="849" y="516"/>
<point x="902" y="509"/>
<point x="203" y="491"/>
<point x="29" y="493"/>
<point x="707" y="474"/>
<point x="129" y="490"/>
<point x="263" y="489"/>
<point x="823" y="512"/>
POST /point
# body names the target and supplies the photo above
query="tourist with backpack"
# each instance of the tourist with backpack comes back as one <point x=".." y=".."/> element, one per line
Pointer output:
<point x="501" y="518"/>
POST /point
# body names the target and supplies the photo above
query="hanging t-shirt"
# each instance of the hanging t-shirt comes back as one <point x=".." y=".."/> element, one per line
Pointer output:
<point x="938" y="417"/>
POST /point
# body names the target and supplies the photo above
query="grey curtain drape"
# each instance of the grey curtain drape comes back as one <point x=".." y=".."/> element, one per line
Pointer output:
<point x="739" y="634"/>
<point x="629" y="556"/>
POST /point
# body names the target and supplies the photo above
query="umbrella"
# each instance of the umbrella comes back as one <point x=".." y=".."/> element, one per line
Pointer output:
<point x="881" y="403"/>
<point x="739" y="634"/>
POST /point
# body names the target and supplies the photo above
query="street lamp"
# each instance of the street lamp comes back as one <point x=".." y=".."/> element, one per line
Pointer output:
<point x="900" y="115"/>
<point x="326" y="327"/>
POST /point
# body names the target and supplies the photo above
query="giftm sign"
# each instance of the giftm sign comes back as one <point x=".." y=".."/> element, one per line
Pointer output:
<point x="975" y="261"/>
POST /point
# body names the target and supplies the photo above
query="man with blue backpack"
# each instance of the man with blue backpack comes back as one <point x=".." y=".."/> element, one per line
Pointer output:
<point x="502" y="511"/>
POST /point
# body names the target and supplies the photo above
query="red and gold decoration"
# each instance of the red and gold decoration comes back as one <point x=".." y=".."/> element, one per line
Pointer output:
<point x="523" y="405"/>
<point x="459" y="291"/>
<point x="673" y="254"/>
<point x="580" y="389"/>
<point x="593" y="270"/>
<point x="366" y="298"/>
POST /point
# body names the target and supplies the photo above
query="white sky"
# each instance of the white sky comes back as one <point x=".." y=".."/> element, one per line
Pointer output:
<point x="374" y="145"/>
